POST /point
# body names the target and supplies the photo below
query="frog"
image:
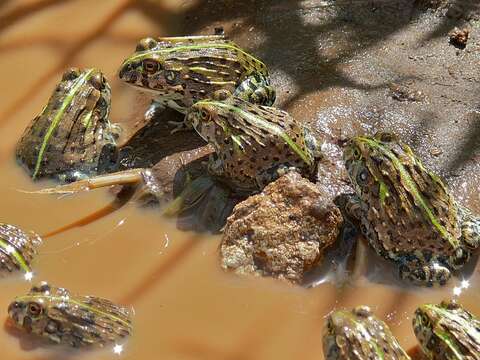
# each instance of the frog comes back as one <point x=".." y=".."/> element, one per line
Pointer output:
<point x="179" y="71"/>
<point x="447" y="331"/>
<point x="72" y="137"/>
<point x="254" y="144"/>
<point x="358" y="334"/>
<point x="69" y="319"/>
<point x="18" y="248"/>
<point x="406" y="211"/>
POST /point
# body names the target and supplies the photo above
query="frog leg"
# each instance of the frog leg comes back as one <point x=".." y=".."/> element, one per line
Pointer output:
<point x="470" y="227"/>
<point x="191" y="195"/>
<point x="156" y="107"/>
<point x="266" y="176"/>
<point x="215" y="165"/>
<point x="256" y="89"/>
<point x="424" y="274"/>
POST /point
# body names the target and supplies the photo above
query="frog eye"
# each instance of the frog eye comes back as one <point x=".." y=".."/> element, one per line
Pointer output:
<point x="150" y="66"/>
<point x="363" y="311"/>
<point x="146" y="44"/>
<point x="221" y="95"/>
<point x="34" y="309"/>
<point x="171" y="76"/>
<point x="203" y="114"/>
<point x="356" y="153"/>
<point x="386" y="137"/>
<point x="71" y="74"/>
<point x="362" y="176"/>
<point x="98" y="81"/>
<point x="450" y="304"/>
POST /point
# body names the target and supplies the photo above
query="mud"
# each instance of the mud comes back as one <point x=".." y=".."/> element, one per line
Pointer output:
<point x="334" y="64"/>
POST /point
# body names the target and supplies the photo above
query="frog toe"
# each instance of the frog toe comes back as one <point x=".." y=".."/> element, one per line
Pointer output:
<point x="470" y="225"/>
<point x="427" y="275"/>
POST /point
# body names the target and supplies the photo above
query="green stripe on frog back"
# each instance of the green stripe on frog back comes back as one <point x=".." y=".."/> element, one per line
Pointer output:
<point x="270" y="127"/>
<point x="78" y="303"/>
<point x="412" y="188"/>
<point x="361" y="327"/>
<point x="79" y="82"/>
<point x="147" y="54"/>
<point x="469" y="327"/>
<point x="9" y="249"/>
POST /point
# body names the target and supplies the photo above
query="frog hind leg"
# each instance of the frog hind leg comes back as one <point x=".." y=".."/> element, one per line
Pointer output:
<point x="266" y="176"/>
<point x="470" y="228"/>
<point x="256" y="89"/>
<point x="424" y="274"/>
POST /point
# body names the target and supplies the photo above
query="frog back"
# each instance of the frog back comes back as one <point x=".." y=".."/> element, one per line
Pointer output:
<point x="72" y="132"/>
<point x="253" y="139"/>
<point x="408" y="208"/>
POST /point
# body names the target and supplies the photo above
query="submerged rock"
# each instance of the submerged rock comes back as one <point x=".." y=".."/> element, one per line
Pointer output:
<point x="281" y="232"/>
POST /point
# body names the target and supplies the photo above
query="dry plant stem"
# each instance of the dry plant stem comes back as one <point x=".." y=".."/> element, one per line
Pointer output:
<point x="133" y="176"/>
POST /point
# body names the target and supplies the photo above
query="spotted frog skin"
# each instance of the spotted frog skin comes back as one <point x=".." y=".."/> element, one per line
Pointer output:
<point x="183" y="70"/>
<point x="447" y="332"/>
<point x="68" y="319"/>
<point x="359" y="335"/>
<point x="253" y="143"/>
<point x="406" y="212"/>
<point x="17" y="249"/>
<point x="72" y="137"/>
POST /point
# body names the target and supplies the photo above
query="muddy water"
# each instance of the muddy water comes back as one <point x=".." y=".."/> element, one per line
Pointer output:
<point x="185" y="307"/>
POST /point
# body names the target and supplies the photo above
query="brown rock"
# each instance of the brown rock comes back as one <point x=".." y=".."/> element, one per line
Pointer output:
<point x="459" y="38"/>
<point x="281" y="232"/>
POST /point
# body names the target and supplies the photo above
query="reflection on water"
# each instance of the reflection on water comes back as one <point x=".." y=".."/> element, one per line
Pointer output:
<point x="185" y="307"/>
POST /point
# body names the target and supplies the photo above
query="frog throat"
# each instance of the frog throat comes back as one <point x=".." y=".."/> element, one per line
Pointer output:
<point x="412" y="188"/>
<point x="78" y="83"/>
<point x="265" y="125"/>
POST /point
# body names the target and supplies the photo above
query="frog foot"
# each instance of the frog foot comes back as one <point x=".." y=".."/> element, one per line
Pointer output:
<point x="152" y="111"/>
<point x="179" y="126"/>
<point x="425" y="275"/>
<point x="470" y="225"/>
<point x="133" y="176"/>
<point x="191" y="195"/>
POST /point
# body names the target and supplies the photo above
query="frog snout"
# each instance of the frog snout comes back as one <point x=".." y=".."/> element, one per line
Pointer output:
<point x="127" y="73"/>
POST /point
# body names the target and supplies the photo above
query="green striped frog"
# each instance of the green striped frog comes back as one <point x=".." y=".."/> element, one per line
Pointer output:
<point x="253" y="144"/>
<point x="447" y="331"/>
<point x="359" y="335"/>
<point x="406" y="211"/>
<point x="180" y="71"/>
<point x="69" y="319"/>
<point x="17" y="250"/>
<point x="72" y="137"/>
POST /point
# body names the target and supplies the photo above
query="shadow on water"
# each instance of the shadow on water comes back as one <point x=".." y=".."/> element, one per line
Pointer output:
<point x="24" y="11"/>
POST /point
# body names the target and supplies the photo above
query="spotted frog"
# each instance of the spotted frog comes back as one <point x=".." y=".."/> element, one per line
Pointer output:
<point x="68" y="319"/>
<point x="406" y="211"/>
<point x="357" y="335"/>
<point x="447" y="331"/>
<point x="17" y="249"/>
<point x="183" y="70"/>
<point x="253" y="144"/>
<point x="72" y="137"/>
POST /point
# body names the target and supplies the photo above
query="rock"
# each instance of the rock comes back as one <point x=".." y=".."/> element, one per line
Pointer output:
<point x="459" y="38"/>
<point x="281" y="232"/>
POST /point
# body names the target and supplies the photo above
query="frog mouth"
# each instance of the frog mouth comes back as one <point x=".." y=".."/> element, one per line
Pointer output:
<point x="128" y="74"/>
